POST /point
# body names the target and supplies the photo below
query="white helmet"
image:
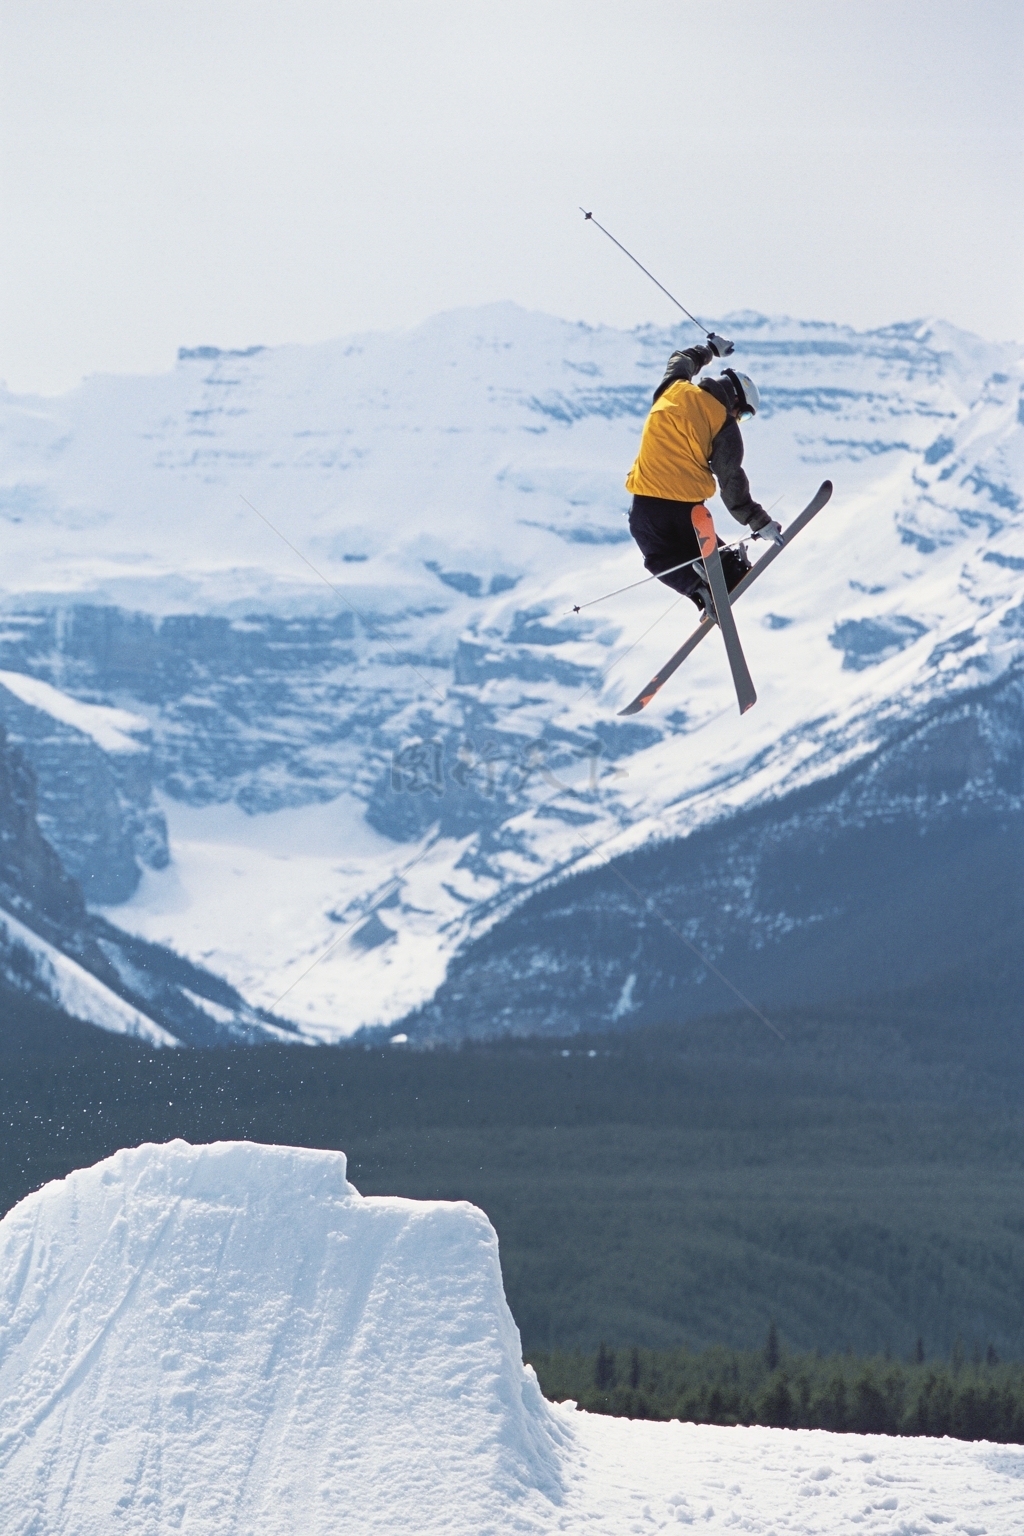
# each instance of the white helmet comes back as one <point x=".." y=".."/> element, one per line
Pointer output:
<point x="746" y="390"/>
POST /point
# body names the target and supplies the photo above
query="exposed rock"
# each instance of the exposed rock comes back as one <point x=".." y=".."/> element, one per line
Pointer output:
<point x="33" y="882"/>
<point x="94" y="807"/>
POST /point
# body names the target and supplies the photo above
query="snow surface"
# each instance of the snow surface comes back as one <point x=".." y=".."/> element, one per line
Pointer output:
<point x="239" y="889"/>
<point x="76" y="990"/>
<point x="109" y="728"/>
<point x="230" y="1341"/>
<point x="230" y="1338"/>
<point x="461" y="486"/>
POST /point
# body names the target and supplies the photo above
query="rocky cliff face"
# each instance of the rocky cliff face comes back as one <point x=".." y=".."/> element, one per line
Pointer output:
<point x="95" y="790"/>
<point x="251" y="710"/>
<point x="53" y="948"/>
<point x="33" y="883"/>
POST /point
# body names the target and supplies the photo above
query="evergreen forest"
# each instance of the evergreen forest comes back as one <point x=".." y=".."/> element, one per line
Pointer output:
<point x="672" y="1192"/>
<point x="977" y="1398"/>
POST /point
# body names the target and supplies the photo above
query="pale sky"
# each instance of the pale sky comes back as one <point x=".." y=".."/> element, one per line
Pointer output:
<point x="230" y="172"/>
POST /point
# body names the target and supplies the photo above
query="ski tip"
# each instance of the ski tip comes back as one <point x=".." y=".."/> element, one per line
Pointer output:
<point x="642" y="699"/>
<point x="749" y="704"/>
<point x="827" y="487"/>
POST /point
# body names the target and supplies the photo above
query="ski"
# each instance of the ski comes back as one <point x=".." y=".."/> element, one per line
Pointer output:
<point x="706" y="624"/>
<point x="707" y="539"/>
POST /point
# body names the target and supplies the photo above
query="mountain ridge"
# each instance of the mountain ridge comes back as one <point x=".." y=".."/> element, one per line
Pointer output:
<point x="354" y="799"/>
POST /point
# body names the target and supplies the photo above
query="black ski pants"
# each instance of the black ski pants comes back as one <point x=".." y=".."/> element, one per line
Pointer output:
<point x="666" y="538"/>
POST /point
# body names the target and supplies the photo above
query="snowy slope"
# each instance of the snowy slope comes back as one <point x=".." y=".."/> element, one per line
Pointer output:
<point x="230" y="1339"/>
<point x="114" y="730"/>
<point x="408" y="771"/>
<point x="71" y="987"/>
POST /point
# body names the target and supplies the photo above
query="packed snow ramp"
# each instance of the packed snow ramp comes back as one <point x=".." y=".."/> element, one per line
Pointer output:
<point x="230" y="1338"/>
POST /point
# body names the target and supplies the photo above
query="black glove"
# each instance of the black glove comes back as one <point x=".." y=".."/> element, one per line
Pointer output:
<point x="719" y="346"/>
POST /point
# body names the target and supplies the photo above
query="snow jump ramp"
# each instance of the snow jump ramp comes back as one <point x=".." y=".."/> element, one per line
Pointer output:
<point x="230" y="1338"/>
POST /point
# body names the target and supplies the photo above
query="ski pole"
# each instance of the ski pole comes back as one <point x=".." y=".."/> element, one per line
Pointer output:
<point x="719" y="345"/>
<point x="736" y="544"/>
<point x="579" y="607"/>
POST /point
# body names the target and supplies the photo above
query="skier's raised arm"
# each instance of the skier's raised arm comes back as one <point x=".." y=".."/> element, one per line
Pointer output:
<point x="683" y="365"/>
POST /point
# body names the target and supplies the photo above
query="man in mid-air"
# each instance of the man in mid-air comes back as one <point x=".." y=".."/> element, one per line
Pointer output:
<point x="691" y="438"/>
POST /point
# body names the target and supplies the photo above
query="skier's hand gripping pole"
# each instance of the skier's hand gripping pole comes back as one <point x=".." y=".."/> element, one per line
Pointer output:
<point x="771" y="531"/>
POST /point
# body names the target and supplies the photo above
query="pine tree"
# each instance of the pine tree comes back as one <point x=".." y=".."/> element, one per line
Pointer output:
<point x="604" y="1368"/>
<point x="771" y="1348"/>
<point x="777" y="1405"/>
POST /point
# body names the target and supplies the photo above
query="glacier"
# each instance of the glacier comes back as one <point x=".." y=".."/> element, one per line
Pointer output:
<point x="330" y="591"/>
<point x="229" y="1338"/>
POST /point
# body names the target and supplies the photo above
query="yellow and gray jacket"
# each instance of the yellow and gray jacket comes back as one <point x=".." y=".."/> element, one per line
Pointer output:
<point x="690" y="440"/>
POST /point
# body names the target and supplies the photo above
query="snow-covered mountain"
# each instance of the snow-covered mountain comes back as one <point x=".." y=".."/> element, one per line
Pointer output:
<point x="325" y="761"/>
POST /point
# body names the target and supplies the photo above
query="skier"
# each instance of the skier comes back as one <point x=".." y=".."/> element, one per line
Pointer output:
<point x="691" y="436"/>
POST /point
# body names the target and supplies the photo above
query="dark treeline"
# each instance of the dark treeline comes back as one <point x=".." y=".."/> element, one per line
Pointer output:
<point x="980" y="1398"/>
<point x="670" y="1186"/>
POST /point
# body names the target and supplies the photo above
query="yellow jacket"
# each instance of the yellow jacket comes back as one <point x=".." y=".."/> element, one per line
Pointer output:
<point x="675" y="447"/>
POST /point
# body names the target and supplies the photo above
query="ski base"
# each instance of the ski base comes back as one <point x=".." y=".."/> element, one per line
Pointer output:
<point x="704" y="528"/>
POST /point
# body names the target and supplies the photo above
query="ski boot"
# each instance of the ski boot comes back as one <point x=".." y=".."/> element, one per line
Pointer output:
<point x="735" y="565"/>
<point x="701" y="595"/>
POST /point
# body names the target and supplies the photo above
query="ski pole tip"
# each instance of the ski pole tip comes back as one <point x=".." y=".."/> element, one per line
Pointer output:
<point x="585" y="214"/>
